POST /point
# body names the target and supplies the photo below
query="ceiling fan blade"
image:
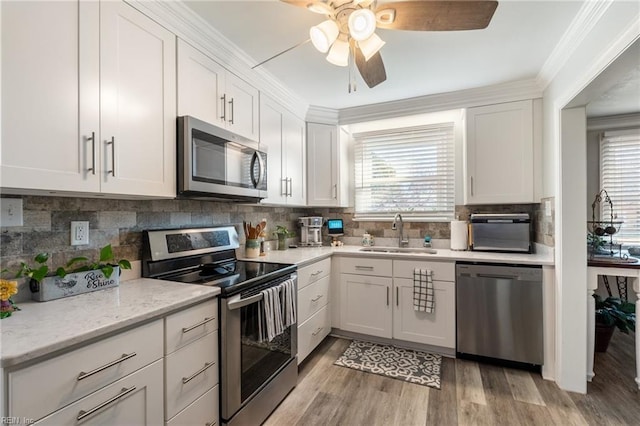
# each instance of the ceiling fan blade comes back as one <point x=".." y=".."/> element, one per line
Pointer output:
<point x="436" y="15"/>
<point x="299" y="3"/>
<point x="372" y="71"/>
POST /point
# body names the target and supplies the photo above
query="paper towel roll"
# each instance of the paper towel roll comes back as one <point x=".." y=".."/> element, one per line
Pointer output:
<point x="458" y="235"/>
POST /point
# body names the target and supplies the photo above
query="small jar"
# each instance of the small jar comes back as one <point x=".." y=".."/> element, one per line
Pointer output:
<point x="252" y="248"/>
<point x="367" y="239"/>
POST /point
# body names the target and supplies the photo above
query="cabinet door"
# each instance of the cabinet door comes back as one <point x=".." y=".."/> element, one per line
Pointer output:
<point x="134" y="400"/>
<point x="138" y="107"/>
<point x="499" y="154"/>
<point x="436" y="328"/>
<point x="295" y="159"/>
<point x="271" y="140"/>
<point x="365" y="303"/>
<point x="49" y="95"/>
<point x="322" y="164"/>
<point x="242" y="107"/>
<point x="200" y="85"/>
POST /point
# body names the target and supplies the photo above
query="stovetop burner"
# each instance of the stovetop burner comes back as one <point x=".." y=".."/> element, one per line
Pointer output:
<point x="205" y="256"/>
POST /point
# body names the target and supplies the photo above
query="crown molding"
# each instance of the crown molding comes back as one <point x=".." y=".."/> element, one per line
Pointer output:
<point x="322" y="115"/>
<point x="499" y="93"/>
<point x="189" y="26"/>
<point x="614" y="122"/>
<point x="587" y="17"/>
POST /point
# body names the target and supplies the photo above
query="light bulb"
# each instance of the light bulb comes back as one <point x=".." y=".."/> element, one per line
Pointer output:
<point x="370" y="46"/>
<point x="362" y="23"/>
<point x="339" y="53"/>
<point x="323" y="35"/>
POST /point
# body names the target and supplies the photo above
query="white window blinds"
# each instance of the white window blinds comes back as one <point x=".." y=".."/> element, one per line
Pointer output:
<point x="408" y="171"/>
<point x="620" y="177"/>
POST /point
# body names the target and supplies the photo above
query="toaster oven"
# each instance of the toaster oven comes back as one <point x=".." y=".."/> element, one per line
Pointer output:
<point x="505" y="233"/>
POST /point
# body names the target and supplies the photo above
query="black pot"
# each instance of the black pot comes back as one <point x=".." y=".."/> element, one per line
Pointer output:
<point x="603" y="336"/>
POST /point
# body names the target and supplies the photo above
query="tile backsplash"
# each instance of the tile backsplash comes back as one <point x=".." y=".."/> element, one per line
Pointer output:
<point x="47" y="220"/>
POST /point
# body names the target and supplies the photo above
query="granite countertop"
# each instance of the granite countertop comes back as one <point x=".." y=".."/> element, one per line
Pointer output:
<point x="302" y="256"/>
<point x="42" y="328"/>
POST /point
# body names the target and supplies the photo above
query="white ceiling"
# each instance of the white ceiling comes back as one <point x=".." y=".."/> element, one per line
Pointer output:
<point x="520" y="38"/>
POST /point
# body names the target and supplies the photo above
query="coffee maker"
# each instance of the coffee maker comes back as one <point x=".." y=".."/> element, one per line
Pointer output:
<point x="310" y="231"/>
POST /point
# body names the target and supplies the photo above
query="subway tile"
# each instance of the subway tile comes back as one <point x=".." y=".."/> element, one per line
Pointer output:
<point x="61" y="220"/>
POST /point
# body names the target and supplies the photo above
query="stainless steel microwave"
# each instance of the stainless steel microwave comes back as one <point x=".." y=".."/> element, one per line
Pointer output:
<point x="215" y="163"/>
<point x="506" y="233"/>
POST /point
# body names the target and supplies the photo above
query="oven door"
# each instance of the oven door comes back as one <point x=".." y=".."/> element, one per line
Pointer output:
<point x="248" y="364"/>
<point x="214" y="161"/>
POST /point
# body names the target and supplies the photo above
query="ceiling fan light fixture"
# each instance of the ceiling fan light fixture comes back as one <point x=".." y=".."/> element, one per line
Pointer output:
<point x="370" y="46"/>
<point x="320" y="7"/>
<point x="323" y="35"/>
<point x="362" y="23"/>
<point x="386" y="16"/>
<point x="339" y="53"/>
<point x="363" y="3"/>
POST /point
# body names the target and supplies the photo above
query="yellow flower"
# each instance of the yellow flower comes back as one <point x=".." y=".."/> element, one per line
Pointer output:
<point x="8" y="289"/>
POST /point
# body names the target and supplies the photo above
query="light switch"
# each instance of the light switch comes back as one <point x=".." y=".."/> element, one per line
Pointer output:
<point x="11" y="212"/>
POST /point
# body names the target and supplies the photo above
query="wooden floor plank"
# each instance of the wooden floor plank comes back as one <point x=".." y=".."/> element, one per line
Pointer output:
<point x="561" y="407"/>
<point x="443" y="404"/>
<point x="469" y="382"/>
<point x="498" y="395"/>
<point x="522" y="387"/>
<point x="413" y="405"/>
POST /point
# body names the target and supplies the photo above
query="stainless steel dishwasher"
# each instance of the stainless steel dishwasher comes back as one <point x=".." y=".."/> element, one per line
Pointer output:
<point x="499" y="312"/>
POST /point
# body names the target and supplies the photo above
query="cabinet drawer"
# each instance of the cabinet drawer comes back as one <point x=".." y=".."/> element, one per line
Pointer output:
<point x="203" y="411"/>
<point x="314" y="272"/>
<point x="312" y="332"/>
<point x="312" y="298"/>
<point x="188" y="326"/>
<point x="76" y="374"/>
<point x="133" y="400"/>
<point x="190" y="372"/>
<point x="442" y="271"/>
<point x="366" y="266"/>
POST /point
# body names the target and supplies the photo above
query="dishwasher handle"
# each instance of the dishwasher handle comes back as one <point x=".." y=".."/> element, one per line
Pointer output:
<point x="491" y="276"/>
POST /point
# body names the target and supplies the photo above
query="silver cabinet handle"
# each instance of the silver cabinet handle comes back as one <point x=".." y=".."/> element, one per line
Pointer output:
<point x="124" y="392"/>
<point x="200" y="324"/>
<point x="387" y="296"/>
<point x="124" y="357"/>
<point x="284" y="192"/>
<point x="316" y="273"/>
<point x="397" y="296"/>
<point x="223" y="117"/>
<point x="317" y="298"/>
<point x="335" y="191"/>
<point x="471" y="185"/>
<point x="290" y="194"/>
<point x="317" y="331"/>
<point x="113" y="156"/>
<point x="364" y="268"/>
<point x="186" y="380"/>
<point x="231" y="105"/>
<point x="92" y="169"/>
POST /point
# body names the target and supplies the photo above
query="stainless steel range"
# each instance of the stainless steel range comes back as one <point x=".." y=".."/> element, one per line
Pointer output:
<point x="256" y="371"/>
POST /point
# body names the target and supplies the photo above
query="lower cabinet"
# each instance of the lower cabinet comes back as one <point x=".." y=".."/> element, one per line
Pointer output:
<point x="314" y="307"/>
<point x="381" y="305"/>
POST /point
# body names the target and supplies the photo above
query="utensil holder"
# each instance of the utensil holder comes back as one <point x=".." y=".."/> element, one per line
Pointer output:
<point x="252" y="248"/>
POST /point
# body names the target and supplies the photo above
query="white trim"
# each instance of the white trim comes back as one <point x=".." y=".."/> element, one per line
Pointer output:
<point x="500" y="93"/>
<point x="587" y="17"/>
<point x="322" y="115"/>
<point x="613" y="122"/>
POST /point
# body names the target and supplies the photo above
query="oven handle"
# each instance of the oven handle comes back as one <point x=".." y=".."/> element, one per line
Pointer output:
<point x="236" y="303"/>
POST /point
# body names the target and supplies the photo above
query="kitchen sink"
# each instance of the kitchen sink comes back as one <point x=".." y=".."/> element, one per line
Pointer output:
<point x="414" y="250"/>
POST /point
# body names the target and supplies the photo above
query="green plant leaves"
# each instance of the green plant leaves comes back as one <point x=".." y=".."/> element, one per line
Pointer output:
<point x="42" y="257"/>
<point x="106" y="253"/>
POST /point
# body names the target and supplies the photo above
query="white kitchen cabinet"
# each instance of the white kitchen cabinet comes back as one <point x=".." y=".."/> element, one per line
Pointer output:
<point x="283" y="135"/>
<point x="376" y="298"/>
<point x="327" y="166"/>
<point x="88" y="91"/>
<point x="207" y="91"/>
<point x="499" y="154"/>
<point x="314" y="306"/>
<point x="75" y="378"/>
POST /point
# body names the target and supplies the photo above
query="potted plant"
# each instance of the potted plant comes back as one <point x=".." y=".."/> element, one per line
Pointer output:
<point x="79" y="275"/>
<point x="283" y="233"/>
<point x="612" y="312"/>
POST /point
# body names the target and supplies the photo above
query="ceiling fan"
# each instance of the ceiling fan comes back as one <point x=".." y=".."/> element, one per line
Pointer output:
<point x="349" y="31"/>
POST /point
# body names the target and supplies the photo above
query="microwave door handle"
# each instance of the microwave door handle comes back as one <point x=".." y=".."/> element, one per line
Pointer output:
<point x="256" y="180"/>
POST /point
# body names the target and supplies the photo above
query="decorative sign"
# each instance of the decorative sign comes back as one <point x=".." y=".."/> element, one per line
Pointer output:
<point x="72" y="284"/>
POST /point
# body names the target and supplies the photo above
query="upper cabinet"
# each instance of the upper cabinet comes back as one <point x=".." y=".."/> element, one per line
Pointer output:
<point x="499" y="154"/>
<point x="88" y="101"/>
<point x="327" y="166"/>
<point x="282" y="135"/>
<point x="207" y="91"/>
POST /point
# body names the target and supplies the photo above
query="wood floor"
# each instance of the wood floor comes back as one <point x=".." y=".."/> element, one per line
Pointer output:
<point x="471" y="394"/>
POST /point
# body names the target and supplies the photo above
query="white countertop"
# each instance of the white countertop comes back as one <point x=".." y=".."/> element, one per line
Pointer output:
<point x="304" y="255"/>
<point x="42" y="328"/>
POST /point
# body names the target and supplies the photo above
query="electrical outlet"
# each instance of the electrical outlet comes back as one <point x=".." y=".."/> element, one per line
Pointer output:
<point x="79" y="233"/>
<point x="547" y="208"/>
<point x="11" y="212"/>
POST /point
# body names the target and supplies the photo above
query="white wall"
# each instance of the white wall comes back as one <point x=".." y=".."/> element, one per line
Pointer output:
<point x="565" y="177"/>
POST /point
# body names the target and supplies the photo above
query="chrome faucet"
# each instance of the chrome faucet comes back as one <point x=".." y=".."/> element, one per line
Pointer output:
<point x="398" y="219"/>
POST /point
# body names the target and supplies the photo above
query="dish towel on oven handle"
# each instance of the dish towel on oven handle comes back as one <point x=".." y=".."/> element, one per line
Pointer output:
<point x="423" y="295"/>
<point x="279" y="305"/>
